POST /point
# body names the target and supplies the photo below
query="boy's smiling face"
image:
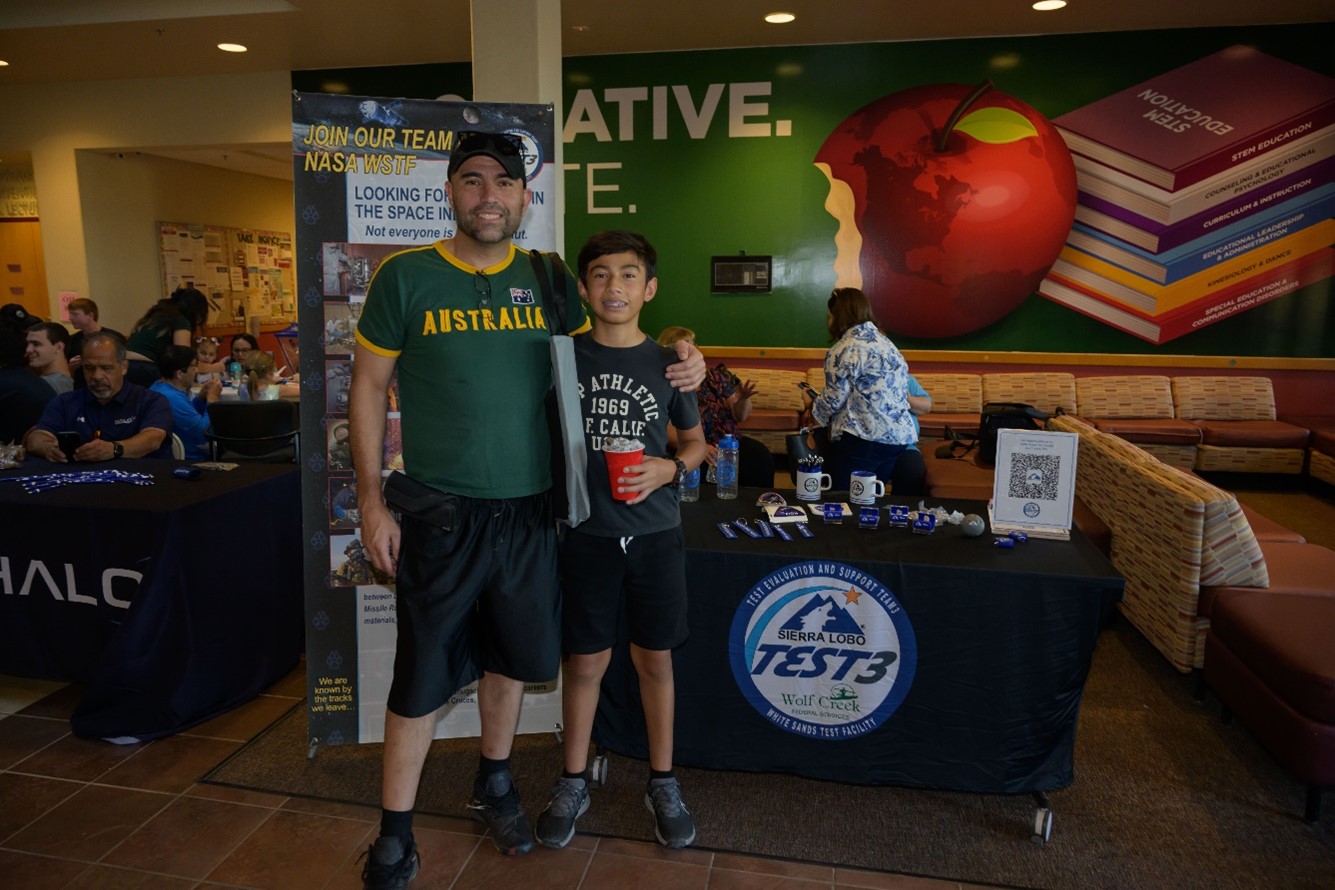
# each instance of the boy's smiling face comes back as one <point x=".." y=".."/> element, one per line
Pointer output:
<point x="616" y="287"/>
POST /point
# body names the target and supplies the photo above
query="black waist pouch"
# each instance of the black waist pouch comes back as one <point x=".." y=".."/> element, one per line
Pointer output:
<point x="408" y="497"/>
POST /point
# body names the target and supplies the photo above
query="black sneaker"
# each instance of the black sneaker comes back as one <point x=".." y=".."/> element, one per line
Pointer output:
<point x="556" y="823"/>
<point x="389" y="866"/>
<point x="672" y="821"/>
<point x="496" y="805"/>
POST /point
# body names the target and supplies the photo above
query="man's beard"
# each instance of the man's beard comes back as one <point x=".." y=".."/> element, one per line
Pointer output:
<point x="508" y="226"/>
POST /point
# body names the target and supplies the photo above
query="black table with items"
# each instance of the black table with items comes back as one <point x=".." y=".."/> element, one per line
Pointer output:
<point x="877" y="656"/>
<point x="173" y="602"/>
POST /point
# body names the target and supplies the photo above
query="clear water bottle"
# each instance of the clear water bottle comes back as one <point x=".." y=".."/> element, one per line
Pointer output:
<point x="690" y="487"/>
<point x="726" y="468"/>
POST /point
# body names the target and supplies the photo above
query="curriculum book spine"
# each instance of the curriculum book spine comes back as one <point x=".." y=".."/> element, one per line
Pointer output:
<point x="1206" y="252"/>
<point x="1261" y="288"/>
<point x="1155" y="299"/>
<point x="1141" y="231"/>
<point x="1200" y="119"/>
<point x="1166" y="207"/>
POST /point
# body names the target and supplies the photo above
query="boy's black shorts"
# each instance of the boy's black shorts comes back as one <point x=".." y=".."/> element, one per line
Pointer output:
<point x="482" y="597"/>
<point x="647" y="575"/>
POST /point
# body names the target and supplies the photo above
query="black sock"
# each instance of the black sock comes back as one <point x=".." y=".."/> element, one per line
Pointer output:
<point x="567" y="774"/>
<point x="397" y="823"/>
<point x="659" y="774"/>
<point x="487" y="766"/>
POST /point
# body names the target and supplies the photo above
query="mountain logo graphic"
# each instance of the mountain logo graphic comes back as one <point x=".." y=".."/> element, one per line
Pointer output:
<point x="822" y="614"/>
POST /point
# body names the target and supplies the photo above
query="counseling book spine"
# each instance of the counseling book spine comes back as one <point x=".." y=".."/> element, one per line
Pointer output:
<point x="1256" y="290"/>
<point x="1209" y="251"/>
<point x="1155" y="299"/>
<point x="1156" y="237"/>
<point x="1200" y="119"/>
<point x="1093" y="178"/>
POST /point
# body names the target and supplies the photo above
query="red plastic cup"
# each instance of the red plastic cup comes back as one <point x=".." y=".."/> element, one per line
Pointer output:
<point x="617" y="461"/>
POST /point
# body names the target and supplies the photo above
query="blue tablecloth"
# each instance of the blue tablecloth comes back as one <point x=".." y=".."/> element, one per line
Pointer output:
<point x="993" y="649"/>
<point x="173" y="602"/>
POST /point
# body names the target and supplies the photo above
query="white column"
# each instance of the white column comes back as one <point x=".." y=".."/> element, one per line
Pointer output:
<point x="517" y="58"/>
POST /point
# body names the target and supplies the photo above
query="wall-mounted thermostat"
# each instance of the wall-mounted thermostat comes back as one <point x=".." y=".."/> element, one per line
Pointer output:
<point x="740" y="274"/>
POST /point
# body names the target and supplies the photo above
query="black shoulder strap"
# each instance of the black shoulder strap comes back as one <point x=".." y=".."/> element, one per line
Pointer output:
<point x="553" y="301"/>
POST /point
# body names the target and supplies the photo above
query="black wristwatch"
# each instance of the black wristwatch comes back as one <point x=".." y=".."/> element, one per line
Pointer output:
<point x="117" y="449"/>
<point x="681" y="472"/>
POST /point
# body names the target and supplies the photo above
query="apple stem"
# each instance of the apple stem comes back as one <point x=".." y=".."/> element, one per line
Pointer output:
<point x="943" y="134"/>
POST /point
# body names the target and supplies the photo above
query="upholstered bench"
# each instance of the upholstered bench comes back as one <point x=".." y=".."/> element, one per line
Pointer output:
<point x="1239" y="432"/>
<point x="776" y="408"/>
<point x="1049" y="392"/>
<point x="1307" y="569"/>
<point x="1268" y="530"/>
<point x="960" y="478"/>
<point x="1139" y="409"/>
<point x="1321" y="455"/>
<point x="957" y="402"/>
<point x="1270" y="661"/>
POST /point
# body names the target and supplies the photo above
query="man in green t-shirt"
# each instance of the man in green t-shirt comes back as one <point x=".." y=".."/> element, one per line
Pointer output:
<point x="461" y="323"/>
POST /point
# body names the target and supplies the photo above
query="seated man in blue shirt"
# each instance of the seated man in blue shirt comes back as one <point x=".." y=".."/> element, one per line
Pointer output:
<point x="112" y="416"/>
<point x="190" y="417"/>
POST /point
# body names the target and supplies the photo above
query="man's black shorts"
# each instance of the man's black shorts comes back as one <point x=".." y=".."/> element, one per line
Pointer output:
<point x="646" y="573"/>
<point x="482" y="597"/>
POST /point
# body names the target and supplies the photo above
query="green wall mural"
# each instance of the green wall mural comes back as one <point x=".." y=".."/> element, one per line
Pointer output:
<point x="711" y="152"/>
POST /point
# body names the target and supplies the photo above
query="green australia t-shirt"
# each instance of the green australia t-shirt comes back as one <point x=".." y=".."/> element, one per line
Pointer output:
<point x="473" y="368"/>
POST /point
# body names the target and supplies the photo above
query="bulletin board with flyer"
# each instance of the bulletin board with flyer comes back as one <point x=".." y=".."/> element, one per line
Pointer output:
<point x="245" y="273"/>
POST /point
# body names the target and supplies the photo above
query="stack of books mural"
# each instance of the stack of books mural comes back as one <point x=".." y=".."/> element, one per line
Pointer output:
<point x="1204" y="192"/>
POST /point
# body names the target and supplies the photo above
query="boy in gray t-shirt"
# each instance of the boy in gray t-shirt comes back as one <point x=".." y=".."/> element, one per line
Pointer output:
<point x="630" y="552"/>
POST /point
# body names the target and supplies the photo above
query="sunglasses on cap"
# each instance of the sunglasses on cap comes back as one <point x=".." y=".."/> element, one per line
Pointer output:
<point x="502" y="148"/>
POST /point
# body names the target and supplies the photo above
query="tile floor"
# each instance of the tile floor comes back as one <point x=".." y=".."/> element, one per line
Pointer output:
<point x="82" y="814"/>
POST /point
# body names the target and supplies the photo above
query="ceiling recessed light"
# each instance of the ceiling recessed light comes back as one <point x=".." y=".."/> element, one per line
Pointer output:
<point x="780" y="18"/>
<point x="1045" y="5"/>
<point x="231" y="47"/>
<point x="3" y="63"/>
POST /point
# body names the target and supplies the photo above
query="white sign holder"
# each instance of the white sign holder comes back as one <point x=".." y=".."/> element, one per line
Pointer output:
<point x="1033" y="489"/>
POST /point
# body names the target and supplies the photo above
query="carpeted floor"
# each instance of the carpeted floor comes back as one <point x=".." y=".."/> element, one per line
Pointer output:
<point x="1165" y="796"/>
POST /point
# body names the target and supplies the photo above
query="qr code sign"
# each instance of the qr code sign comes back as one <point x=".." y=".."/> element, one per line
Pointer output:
<point x="1034" y="476"/>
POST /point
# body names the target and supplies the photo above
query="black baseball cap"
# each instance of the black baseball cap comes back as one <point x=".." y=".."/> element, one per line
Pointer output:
<point x="500" y="147"/>
<point x="16" y="316"/>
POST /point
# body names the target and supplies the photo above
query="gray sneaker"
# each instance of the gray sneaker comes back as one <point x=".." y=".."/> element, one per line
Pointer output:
<point x="556" y="823"/>
<point x="496" y="805"/>
<point x="672" y="821"/>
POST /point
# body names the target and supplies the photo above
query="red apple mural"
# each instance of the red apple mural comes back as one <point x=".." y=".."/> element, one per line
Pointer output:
<point x="953" y="201"/>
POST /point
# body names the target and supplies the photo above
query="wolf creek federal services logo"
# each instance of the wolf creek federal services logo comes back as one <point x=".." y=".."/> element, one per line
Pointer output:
<point x="823" y="650"/>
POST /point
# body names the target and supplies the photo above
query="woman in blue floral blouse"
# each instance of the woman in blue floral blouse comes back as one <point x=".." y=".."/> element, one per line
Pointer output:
<point x="865" y="404"/>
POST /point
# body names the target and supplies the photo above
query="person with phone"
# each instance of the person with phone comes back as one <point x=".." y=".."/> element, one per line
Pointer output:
<point x="112" y="417"/>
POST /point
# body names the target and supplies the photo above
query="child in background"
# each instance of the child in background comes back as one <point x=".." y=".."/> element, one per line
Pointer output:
<point x="260" y="381"/>
<point x="206" y="349"/>
<point x="630" y="554"/>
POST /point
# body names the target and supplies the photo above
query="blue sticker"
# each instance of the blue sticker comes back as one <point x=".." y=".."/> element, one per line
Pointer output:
<point x="925" y="524"/>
